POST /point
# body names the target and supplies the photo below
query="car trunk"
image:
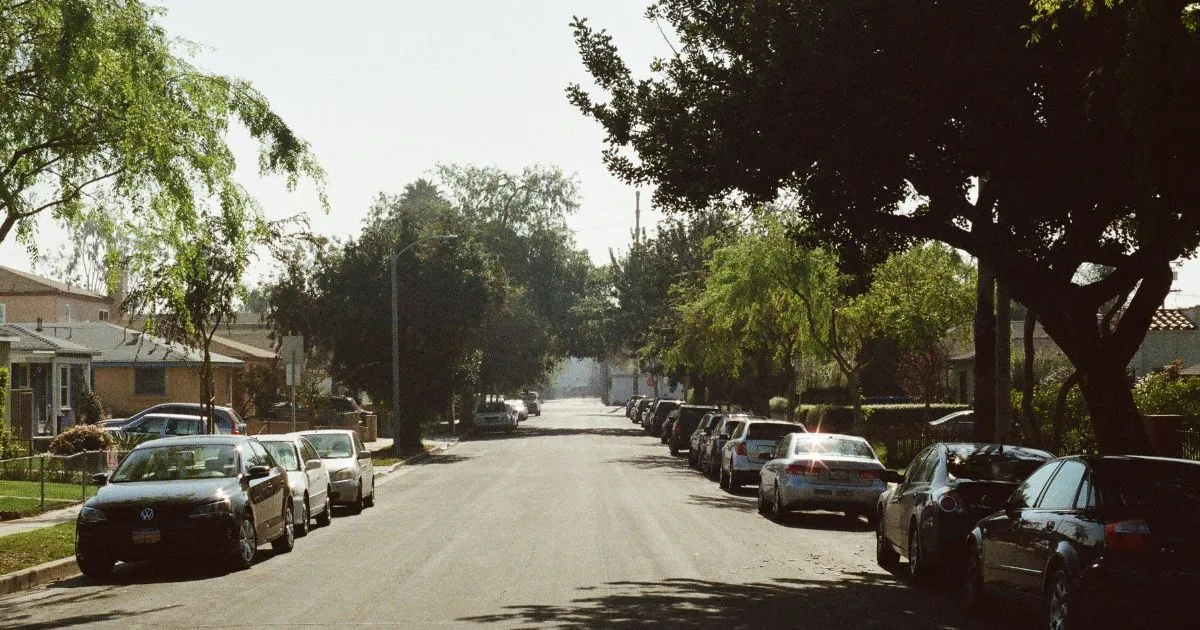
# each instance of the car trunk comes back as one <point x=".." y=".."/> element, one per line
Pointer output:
<point x="841" y="471"/>
<point x="1163" y="493"/>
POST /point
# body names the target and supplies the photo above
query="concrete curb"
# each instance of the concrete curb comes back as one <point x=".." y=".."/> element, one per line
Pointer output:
<point x="41" y="574"/>
<point x="408" y="461"/>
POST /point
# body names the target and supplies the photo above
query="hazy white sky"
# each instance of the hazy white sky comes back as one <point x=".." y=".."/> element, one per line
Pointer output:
<point x="384" y="90"/>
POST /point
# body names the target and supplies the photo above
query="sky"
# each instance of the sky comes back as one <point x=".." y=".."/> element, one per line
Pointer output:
<point x="386" y="90"/>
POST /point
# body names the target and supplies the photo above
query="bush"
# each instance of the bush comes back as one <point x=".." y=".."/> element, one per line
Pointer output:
<point x="826" y="418"/>
<point x="906" y="417"/>
<point x="779" y="404"/>
<point x="91" y="408"/>
<point x="80" y="438"/>
<point x="825" y="396"/>
<point x="1166" y="392"/>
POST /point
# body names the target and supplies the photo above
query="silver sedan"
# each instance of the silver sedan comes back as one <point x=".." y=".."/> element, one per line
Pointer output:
<point x="821" y="471"/>
<point x="351" y="475"/>
<point x="307" y="476"/>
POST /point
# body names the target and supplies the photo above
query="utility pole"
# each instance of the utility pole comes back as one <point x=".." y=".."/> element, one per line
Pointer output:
<point x="637" y="216"/>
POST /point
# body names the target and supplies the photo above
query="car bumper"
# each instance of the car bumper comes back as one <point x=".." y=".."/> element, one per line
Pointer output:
<point x="796" y="493"/>
<point x="745" y="470"/>
<point x="343" y="492"/>
<point x="132" y="542"/>
<point x="1136" y="596"/>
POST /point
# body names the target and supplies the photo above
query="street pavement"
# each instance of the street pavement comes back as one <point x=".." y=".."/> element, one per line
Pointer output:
<point x="576" y="520"/>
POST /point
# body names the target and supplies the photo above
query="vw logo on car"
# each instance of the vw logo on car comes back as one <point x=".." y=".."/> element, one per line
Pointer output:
<point x="146" y="514"/>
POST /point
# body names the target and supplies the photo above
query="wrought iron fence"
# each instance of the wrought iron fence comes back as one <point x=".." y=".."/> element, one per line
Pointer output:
<point x="1190" y="443"/>
<point x="31" y="485"/>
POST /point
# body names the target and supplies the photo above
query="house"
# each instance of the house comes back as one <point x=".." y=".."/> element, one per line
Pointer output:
<point x="25" y="297"/>
<point x="962" y="357"/>
<point x="134" y="370"/>
<point x="45" y="379"/>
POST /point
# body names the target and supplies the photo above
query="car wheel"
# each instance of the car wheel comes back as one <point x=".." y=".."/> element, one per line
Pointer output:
<point x="369" y="501"/>
<point x="918" y="568"/>
<point x="674" y="451"/>
<point x="95" y="566"/>
<point x="325" y="516"/>
<point x="357" y="506"/>
<point x="247" y="545"/>
<point x="777" y="511"/>
<point x="691" y="458"/>
<point x="885" y="556"/>
<point x="302" y="528"/>
<point x="732" y="485"/>
<point x="286" y="540"/>
<point x="722" y="480"/>
<point x="973" y="596"/>
<point x="1061" y="612"/>
<point x="762" y="501"/>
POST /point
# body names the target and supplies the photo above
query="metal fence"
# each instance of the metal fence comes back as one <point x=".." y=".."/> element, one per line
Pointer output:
<point x="1190" y="443"/>
<point x="31" y="485"/>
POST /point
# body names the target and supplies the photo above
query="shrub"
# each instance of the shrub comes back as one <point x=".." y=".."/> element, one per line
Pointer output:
<point x="91" y="408"/>
<point x="1166" y="392"/>
<point x="779" y="404"/>
<point x="80" y="438"/>
<point x="906" y="417"/>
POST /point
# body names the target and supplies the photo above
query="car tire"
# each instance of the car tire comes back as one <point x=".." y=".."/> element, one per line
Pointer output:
<point x="1062" y="613"/>
<point x="972" y="586"/>
<point x="369" y="501"/>
<point x="762" y="501"/>
<point x="246" y="546"/>
<point x="326" y="515"/>
<point x="733" y="485"/>
<point x="918" y="568"/>
<point x="777" y="511"/>
<point x="674" y="451"/>
<point x="721" y="479"/>
<point x="95" y="567"/>
<point x="357" y="506"/>
<point x="286" y="541"/>
<point x="691" y="458"/>
<point x="302" y="528"/>
<point x="885" y="556"/>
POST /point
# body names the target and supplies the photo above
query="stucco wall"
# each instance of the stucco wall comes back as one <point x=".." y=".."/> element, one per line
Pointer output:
<point x="115" y="387"/>
<point x="1161" y="347"/>
<point x="26" y="309"/>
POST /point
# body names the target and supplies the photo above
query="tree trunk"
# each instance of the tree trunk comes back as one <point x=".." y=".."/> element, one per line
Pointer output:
<point x="407" y="436"/>
<point x="985" y="355"/>
<point x="1060" y="410"/>
<point x="1032" y="430"/>
<point x="856" y="419"/>
<point x="1115" y="418"/>
<point x="1004" y="415"/>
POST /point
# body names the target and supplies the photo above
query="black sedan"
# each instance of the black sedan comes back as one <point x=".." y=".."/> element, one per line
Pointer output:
<point x="946" y="490"/>
<point x="1097" y="541"/>
<point x="195" y="496"/>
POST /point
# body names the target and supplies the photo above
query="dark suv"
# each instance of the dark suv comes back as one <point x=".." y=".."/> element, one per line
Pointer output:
<point x="658" y="414"/>
<point x="689" y="419"/>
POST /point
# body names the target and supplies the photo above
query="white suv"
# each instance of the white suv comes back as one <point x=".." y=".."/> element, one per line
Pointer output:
<point x="749" y="448"/>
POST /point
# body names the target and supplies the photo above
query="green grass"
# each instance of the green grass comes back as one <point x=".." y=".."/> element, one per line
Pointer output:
<point x="29" y="549"/>
<point x="61" y="491"/>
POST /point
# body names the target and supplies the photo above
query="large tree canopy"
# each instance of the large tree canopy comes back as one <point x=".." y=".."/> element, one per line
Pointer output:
<point x="97" y="111"/>
<point x="1071" y="124"/>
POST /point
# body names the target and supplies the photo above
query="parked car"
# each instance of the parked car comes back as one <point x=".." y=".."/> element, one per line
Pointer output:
<point x="642" y="408"/>
<point x="821" y="471"/>
<point x="654" y="419"/>
<point x="533" y="402"/>
<point x="632" y="404"/>
<point x="749" y="448"/>
<point x="225" y="418"/>
<point x="700" y="436"/>
<point x="307" y="475"/>
<point x="112" y="424"/>
<point x="1096" y="541"/>
<point x="495" y="414"/>
<point x="351" y="475"/>
<point x="957" y="426"/>
<point x="210" y="496"/>
<point x="518" y="405"/>
<point x="668" y="425"/>
<point x="710" y="458"/>
<point x="946" y="489"/>
<point x="155" y="425"/>
<point x="688" y="419"/>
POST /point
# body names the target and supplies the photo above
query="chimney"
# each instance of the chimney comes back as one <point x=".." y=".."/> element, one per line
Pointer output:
<point x="39" y="325"/>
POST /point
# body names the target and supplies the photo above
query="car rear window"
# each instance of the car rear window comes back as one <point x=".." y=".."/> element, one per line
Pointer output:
<point x="284" y="454"/>
<point x="992" y="462"/>
<point x="843" y="446"/>
<point x="493" y="407"/>
<point x="1149" y="483"/>
<point x="770" y="430"/>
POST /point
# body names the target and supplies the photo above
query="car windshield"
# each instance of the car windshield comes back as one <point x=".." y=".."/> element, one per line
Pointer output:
<point x="989" y="462"/>
<point x="331" y="445"/>
<point x="770" y="430"/>
<point x="284" y="454"/>
<point x="731" y="427"/>
<point x="1150" y="483"/>
<point x="529" y="396"/>
<point x="178" y="461"/>
<point x="493" y="407"/>
<point x="843" y="446"/>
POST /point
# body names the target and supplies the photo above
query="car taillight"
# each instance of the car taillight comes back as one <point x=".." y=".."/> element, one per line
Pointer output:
<point x="868" y="475"/>
<point x="678" y="430"/>
<point x="807" y="470"/>
<point x="741" y="448"/>
<point x="949" y="502"/>
<point x="1131" y="535"/>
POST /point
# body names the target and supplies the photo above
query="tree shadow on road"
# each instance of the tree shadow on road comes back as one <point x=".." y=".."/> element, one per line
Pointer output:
<point x="853" y="600"/>
<point x="444" y="458"/>
<point x="525" y="432"/>
<point x="659" y="461"/>
<point x="17" y="612"/>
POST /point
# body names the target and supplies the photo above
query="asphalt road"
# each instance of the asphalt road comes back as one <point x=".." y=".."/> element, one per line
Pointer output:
<point x="576" y="520"/>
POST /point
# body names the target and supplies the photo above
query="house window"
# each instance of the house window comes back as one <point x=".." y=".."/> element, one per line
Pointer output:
<point x="3" y="314"/>
<point x="149" y="381"/>
<point x="67" y="311"/>
<point x="102" y="315"/>
<point x="20" y="376"/>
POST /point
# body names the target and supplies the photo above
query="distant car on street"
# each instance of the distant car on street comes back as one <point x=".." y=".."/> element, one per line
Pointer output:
<point x="821" y="471"/>
<point x="533" y="402"/>
<point x="710" y="456"/>
<point x="351" y="474"/>
<point x="307" y="476"/>
<point x="226" y="419"/>
<point x="641" y="409"/>
<point x="518" y="405"/>
<point x="631" y="404"/>
<point x="156" y="425"/>
<point x="749" y="448"/>
<point x="652" y="422"/>
<point x="496" y="414"/>
<point x="685" y="424"/>
<point x="701" y="435"/>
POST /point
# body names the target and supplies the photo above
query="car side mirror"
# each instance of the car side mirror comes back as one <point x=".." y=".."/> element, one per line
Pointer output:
<point x="364" y="455"/>
<point x="1012" y="507"/>
<point x="891" y="476"/>
<point x="100" y="479"/>
<point x="258" y="472"/>
<point x="724" y="436"/>
<point x="312" y="464"/>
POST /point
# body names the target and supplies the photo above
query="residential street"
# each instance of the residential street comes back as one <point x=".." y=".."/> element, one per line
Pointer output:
<point x="576" y="520"/>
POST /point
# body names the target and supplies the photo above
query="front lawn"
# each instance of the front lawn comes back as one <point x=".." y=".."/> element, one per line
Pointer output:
<point x="29" y="549"/>
<point x="60" y="491"/>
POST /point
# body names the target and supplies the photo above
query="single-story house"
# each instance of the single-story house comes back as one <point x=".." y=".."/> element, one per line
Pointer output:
<point x="46" y="376"/>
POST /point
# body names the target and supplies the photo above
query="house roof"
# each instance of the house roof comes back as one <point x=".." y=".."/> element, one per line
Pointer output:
<point x="29" y="339"/>
<point x="16" y="282"/>
<point x="242" y="350"/>
<point x="1193" y="370"/>
<point x="1171" y="319"/>
<point x="118" y="346"/>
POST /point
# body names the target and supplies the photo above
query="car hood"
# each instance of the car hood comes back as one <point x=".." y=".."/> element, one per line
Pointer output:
<point x="334" y="465"/>
<point x="139" y="493"/>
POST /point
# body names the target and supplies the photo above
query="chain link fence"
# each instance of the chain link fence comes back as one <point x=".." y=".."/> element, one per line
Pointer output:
<point x="32" y="485"/>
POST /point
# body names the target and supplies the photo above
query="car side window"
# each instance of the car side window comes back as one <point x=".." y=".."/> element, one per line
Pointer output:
<point x="1060" y="494"/>
<point x="741" y="430"/>
<point x="358" y="445"/>
<point x="1026" y="495"/>
<point x="1087" y="495"/>
<point x="257" y="455"/>
<point x="307" y="451"/>
<point x="781" y="448"/>
<point x="916" y="472"/>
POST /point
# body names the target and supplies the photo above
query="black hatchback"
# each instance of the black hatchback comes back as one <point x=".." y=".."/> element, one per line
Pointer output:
<point x="1098" y="541"/>
<point x="215" y="496"/>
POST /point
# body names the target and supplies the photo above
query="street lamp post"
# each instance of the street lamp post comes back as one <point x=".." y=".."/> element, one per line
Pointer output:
<point x="395" y="262"/>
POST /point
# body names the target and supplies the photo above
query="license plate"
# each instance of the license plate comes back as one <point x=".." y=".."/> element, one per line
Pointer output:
<point x="838" y="475"/>
<point x="845" y="493"/>
<point x="146" y="536"/>
<point x="823" y="492"/>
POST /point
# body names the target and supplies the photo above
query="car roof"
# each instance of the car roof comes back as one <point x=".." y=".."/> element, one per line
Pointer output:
<point x="951" y="416"/>
<point x="278" y="437"/>
<point x="979" y="446"/>
<point x="325" y="432"/>
<point x="181" y="416"/>
<point x="839" y="436"/>
<point x="196" y="439"/>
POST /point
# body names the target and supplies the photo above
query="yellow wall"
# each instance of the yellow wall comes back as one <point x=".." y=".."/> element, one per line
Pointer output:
<point x="115" y="387"/>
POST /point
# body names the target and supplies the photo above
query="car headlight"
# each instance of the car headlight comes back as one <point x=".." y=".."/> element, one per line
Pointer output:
<point x="219" y="507"/>
<point x="91" y="515"/>
<point x="344" y="474"/>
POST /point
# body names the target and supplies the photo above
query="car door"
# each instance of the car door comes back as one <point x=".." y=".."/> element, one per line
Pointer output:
<point x="365" y="469"/>
<point x="265" y="492"/>
<point x="1001" y="554"/>
<point x="904" y="498"/>
<point x="1037" y="529"/>
<point x="318" y="475"/>
<point x="772" y="469"/>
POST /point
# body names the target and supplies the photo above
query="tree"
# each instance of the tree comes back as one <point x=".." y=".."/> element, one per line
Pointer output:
<point x="1075" y="118"/>
<point x="94" y="258"/>
<point x="99" y="116"/>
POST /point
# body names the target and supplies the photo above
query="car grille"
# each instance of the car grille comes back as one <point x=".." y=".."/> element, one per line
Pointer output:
<point x="162" y="514"/>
